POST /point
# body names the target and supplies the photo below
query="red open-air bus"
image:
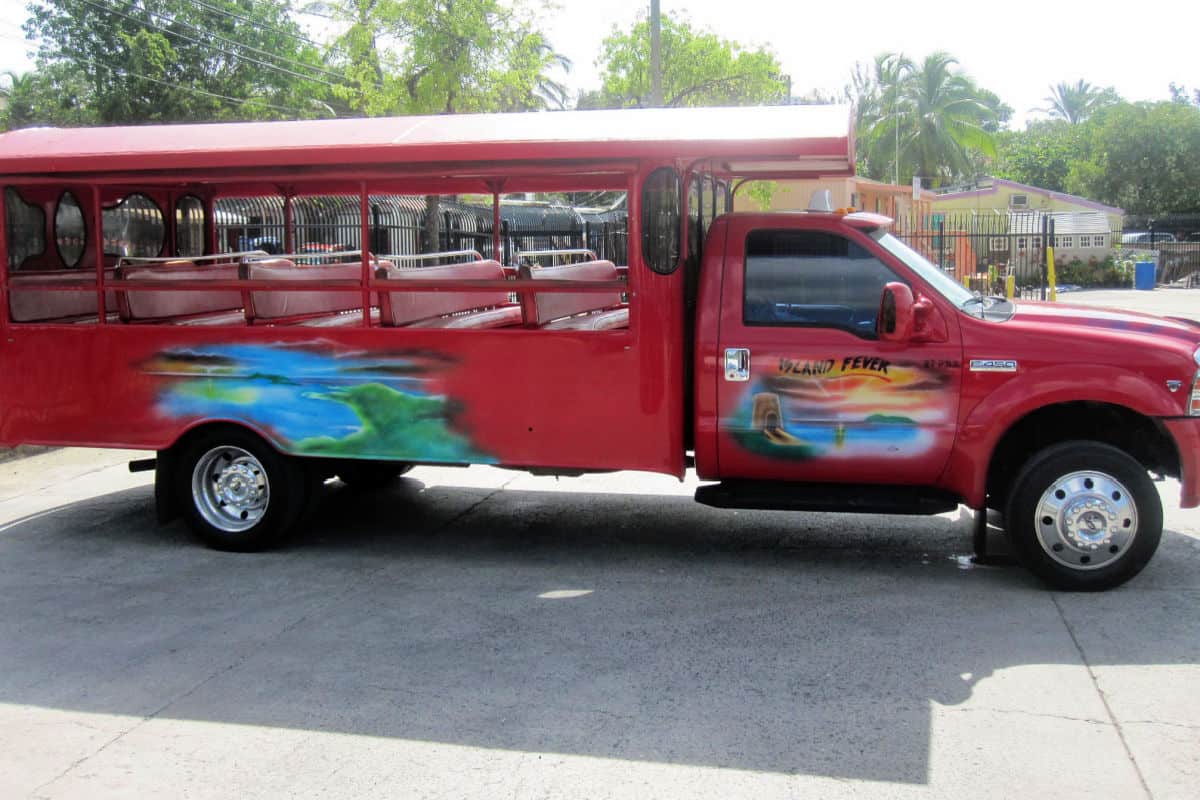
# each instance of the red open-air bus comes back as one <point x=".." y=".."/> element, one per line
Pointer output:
<point x="247" y="384"/>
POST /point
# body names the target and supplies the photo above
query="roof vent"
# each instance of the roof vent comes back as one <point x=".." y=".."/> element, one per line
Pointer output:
<point x="822" y="200"/>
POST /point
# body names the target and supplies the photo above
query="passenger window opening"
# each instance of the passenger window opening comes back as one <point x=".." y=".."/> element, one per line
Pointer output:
<point x="70" y="230"/>
<point x="26" y="226"/>
<point x="190" y="226"/>
<point x="134" y="227"/>
<point x="661" y="209"/>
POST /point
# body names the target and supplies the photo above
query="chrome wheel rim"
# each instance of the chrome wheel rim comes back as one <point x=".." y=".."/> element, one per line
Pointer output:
<point x="230" y="489"/>
<point x="1086" y="520"/>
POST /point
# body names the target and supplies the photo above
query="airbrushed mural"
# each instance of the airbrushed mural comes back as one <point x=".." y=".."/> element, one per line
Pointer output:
<point x="844" y="407"/>
<point x="316" y="403"/>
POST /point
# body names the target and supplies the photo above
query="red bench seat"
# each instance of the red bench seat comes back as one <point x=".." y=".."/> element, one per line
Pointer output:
<point x="468" y="309"/>
<point x="34" y="305"/>
<point x="571" y="311"/>
<point x="191" y="307"/>
<point x="319" y="307"/>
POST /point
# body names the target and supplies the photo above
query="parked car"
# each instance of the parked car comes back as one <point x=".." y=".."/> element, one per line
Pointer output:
<point x="1144" y="237"/>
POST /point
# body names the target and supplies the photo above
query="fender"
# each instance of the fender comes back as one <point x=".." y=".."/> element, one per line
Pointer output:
<point x="981" y="428"/>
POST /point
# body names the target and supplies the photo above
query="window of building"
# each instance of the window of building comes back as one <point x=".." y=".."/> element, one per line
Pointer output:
<point x="660" y="220"/>
<point x="812" y="279"/>
<point x="1064" y="241"/>
<point x="1022" y="243"/>
<point x="1099" y="240"/>
<point x="999" y="244"/>
<point x="70" y="230"/>
<point x="189" y="226"/>
<point x="134" y="227"/>
<point x="26" y="226"/>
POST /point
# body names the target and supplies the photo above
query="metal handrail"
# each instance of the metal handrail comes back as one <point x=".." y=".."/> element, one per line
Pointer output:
<point x="298" y="257"/>
<point x="431" y="256"/>
<point x="132" y="260"/>
<point x="591" y="254"/>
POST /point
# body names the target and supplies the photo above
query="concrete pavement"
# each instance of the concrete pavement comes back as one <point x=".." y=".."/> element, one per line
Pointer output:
<point x="481" y="633"/>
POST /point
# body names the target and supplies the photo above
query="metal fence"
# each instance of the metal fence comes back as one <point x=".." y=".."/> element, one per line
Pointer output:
<point x="983" y="249"/>
<point x="397" y="226"/>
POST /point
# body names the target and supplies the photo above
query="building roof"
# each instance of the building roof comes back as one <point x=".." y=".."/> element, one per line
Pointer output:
<point x="801" y="140"/>
<point x="998" y="183"/>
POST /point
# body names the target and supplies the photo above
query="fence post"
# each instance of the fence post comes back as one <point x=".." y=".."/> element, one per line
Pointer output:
<point x="1051" y="278"/>
<point x="1042" y="260"/>
<point x="942" y="244"/>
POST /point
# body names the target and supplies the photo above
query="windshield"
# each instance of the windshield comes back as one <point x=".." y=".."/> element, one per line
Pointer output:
<point x="945" y="285"/>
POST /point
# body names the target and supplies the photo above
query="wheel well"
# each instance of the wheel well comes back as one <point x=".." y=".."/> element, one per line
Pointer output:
<point x="1140" y="436"/>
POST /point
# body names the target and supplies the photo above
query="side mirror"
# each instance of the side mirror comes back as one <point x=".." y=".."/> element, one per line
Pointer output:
<point x="895" y="323"/>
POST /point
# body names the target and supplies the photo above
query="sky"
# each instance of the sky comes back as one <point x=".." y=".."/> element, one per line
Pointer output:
<point x="1017" y="49"/>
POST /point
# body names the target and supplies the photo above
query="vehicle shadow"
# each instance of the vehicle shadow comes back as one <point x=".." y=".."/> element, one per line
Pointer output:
<point x="633" y="627"/>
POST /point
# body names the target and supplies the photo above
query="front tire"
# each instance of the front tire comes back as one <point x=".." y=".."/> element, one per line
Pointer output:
<point x="237" y="492"/>
<point x="1084" y="516"/>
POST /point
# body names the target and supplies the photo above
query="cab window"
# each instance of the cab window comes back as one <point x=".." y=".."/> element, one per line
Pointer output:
<point x="812" y="279"/>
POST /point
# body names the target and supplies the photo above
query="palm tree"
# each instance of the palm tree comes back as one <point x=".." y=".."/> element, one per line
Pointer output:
<point x="1075" y="103"/>
<point x="925" y="119"/>
<point x="16" y="97"/>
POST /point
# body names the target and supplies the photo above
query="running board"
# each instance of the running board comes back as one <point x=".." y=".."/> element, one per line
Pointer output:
<point x="850" y="498"/>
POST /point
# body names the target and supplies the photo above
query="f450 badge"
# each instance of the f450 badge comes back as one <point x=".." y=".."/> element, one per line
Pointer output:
<point x="993" y="365"/>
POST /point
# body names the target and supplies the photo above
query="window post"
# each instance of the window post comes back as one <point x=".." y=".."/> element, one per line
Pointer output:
<point x="98" y="244"/>
<point x="364" y="212"/>
<point x="3" y="264"/>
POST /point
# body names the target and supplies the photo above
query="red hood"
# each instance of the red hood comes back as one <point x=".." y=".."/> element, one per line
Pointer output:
<point x="1107" y="318"/>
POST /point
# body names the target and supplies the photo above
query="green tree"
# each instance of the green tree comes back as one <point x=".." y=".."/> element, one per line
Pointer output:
<point x="177" y="60"/>
<point x="361" y="53"/>
<point x="51" y="95"/>
<point x="928" y="119"/>
<point x="475" y="56"/>
<point x="1042" y="155"/>
<point x="1142" y="157"/>
<point x="1074" y="103"/>
<point x="698" y="69"/>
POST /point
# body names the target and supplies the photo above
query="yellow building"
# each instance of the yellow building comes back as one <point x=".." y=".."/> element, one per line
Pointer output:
<point x="864" y="194"/>
<point x="998" y="197"/>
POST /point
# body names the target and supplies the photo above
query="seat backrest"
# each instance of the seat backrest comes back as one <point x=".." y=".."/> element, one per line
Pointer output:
<point x="271" y="305"/>
<point x="143" y="305"/>
<point x="547" y="306"/>
<point x="44" y="306"/>
<point x="402" y="308"/>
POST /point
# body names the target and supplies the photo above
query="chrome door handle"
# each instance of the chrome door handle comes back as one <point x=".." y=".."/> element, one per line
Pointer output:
<point x="737" y="364"/>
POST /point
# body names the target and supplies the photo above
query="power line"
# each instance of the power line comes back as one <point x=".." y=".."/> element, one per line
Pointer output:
<point x="193" y="89"/>
<point x="240" y="101"/>
<point x="166" y="31"/>
<point x="243" y="45"/>
<point x="241" y="18"/>
<point x="281" y="32"/>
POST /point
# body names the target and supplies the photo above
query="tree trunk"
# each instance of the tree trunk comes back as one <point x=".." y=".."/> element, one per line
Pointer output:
<point x="432" y="239"/>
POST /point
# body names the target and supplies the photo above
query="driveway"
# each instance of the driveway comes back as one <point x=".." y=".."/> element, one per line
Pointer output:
<point x="481" y="633"/>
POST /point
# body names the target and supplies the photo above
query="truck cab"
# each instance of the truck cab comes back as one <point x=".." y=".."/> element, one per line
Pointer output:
<point x="838" y="369"/>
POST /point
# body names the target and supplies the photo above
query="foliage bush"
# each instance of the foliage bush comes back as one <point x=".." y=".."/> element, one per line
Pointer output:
<point x="1095" y="272"/>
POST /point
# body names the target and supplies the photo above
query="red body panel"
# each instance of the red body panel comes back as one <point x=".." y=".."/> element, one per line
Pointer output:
<point x="1186" y="433"/>
<point x="825" y="404"/>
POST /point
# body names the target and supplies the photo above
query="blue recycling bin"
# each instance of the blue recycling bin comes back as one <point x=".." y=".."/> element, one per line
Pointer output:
<point x="1143" y="275"/>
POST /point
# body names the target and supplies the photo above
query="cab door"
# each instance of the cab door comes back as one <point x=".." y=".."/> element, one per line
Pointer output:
<point x="807" y="391"/>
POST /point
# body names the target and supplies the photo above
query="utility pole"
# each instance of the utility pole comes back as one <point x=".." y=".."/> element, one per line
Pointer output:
<point x="655" y="54"/>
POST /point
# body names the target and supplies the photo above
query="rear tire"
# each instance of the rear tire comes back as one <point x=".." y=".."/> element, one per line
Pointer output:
<point x="236" y="491"/>
<point x="1084" y="516"/>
